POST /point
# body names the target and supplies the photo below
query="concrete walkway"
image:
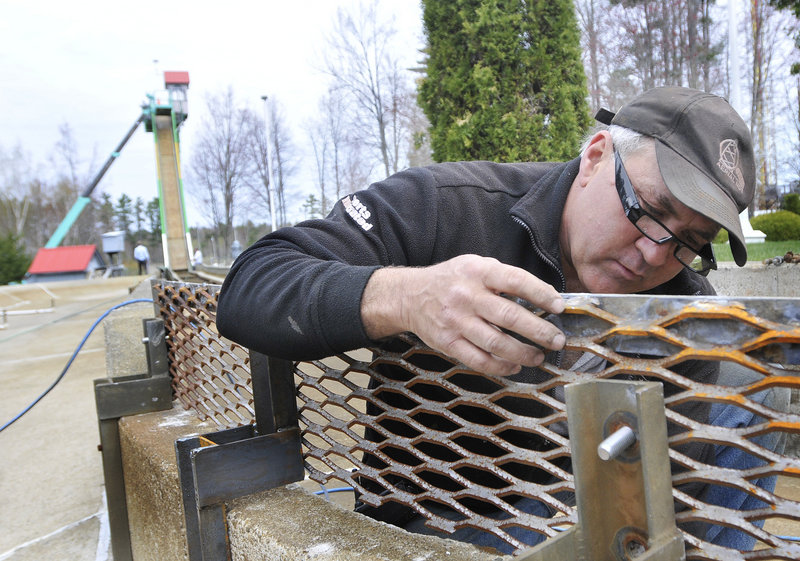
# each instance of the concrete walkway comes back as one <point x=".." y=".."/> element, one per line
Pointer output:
<point x="51" y="479"/>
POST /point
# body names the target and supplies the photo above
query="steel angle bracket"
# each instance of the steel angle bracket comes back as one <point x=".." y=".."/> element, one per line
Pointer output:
<point x="121" y="397"/>
<point x="624" y="504"/>
<point x="222" y="466"/>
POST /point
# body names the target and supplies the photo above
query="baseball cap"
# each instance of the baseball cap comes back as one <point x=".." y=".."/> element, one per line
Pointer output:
<point x="704" y="152"/>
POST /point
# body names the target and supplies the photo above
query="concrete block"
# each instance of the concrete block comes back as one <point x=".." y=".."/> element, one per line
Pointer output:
<point x="152" y="487"/>
<point x="289" y="523"/>
<point x="125" y="354"/>
<point x="284" y="524"/>
<point x="756" y="279"/>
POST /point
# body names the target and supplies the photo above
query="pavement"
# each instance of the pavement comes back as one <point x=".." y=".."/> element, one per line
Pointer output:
<point x="51" y="478"/>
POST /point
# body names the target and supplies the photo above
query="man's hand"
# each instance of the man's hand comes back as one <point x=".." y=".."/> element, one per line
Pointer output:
<point x="455" y="307"/>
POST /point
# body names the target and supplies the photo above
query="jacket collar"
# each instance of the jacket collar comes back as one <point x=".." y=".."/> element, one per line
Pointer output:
<point x="540" y="210"/>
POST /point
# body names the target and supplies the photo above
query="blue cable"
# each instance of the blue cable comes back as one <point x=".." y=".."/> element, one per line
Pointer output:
<point x="72" y="359"/>
<point x="325" y="491"/>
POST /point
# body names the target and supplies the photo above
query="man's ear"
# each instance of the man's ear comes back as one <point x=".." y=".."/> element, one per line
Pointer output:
<point x="600" y="146"/>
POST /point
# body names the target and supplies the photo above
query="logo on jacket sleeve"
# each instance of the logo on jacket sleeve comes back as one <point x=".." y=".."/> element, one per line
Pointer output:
<point x="356" y="210"/>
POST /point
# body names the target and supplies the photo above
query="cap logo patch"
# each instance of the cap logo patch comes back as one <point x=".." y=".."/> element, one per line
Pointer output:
<point x="729" y="162"/>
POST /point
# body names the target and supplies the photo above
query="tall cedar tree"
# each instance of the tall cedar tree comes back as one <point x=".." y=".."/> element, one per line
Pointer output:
<point x="504" y="80"/>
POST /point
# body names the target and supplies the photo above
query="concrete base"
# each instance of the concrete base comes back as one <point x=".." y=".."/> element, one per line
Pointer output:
<point x="755" y="279"/>
<point x="152" y="488"/>
<point x="277" y="524"/>
<point x="286" y="523"/>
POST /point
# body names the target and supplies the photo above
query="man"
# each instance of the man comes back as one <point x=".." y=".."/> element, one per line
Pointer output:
<point x="197" y="259"/>
<point x="142" y="256"/>
<point x="433" y="250"/>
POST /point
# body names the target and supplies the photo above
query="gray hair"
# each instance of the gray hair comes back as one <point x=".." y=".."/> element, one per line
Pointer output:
<point x="626" y="141"/>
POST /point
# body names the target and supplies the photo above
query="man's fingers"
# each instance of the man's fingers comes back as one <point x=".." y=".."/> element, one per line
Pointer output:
<point x="511" y="316"/>
<point x="500" y="346"/>
<point x="518" y="282"/>
<point x="456" y="308"/>
<point x="477" y="359"/>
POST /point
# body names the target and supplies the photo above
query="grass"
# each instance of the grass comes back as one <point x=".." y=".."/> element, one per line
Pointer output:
<point x="757" y="252"/>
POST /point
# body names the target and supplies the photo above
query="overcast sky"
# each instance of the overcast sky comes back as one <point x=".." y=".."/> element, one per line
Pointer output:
<point x="90" y="64"/>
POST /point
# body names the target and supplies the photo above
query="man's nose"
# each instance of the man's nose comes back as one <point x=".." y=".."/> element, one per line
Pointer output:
<point x="656" y="255"/>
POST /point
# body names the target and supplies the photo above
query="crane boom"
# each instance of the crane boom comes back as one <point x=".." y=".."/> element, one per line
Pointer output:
<point x="84" y="198"/>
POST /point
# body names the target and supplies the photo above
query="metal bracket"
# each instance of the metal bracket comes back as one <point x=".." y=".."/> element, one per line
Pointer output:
<point x="218" y="467"/>
<point x="120" y="397"/>
<point x="625" y="507"/>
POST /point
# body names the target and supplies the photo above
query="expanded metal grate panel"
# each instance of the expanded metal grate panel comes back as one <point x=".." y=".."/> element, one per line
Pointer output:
<point x="406" y="425"/>
<point x="210" y="374"/>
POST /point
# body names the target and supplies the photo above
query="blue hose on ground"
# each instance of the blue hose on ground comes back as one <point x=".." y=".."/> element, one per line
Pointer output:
<point x="324" y="491"/>
<point x="72" y="359"/>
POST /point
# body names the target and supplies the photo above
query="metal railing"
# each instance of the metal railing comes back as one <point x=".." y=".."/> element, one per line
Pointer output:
<point x="404" y="424"/>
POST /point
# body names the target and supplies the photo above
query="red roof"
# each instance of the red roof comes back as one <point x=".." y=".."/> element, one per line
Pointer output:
<point x="176" y="77"/>
<point x="64" y="259"/>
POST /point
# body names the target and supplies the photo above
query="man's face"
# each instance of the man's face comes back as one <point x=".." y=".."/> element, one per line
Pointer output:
<point x="603" y="251"/>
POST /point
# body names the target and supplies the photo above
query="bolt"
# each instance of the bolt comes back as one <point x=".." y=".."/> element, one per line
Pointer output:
<point x="634" y="549"/>
<point x="630" y="544"/>
<point x="619" y="441"/>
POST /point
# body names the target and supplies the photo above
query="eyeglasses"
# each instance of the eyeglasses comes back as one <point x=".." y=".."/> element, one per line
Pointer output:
<point x="700" y="261"/>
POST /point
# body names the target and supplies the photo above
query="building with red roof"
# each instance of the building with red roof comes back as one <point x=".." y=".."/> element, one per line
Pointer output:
<point x="71" y="262"/>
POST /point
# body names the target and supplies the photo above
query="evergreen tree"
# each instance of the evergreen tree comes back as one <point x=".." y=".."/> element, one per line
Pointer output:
<point x="124" y="210"/>
<point x="312" y="208"/>
<point x="153" y="213"/>
<point x="504" y="80"/>
<point x="106" y="213"/>
<point x="14" y="261"/>
<point x="138" y="214"/>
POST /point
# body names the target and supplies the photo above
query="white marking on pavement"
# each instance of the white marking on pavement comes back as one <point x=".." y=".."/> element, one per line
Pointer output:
<point x="104" y="537"/>
<point x="11" y="552"/>
<point x="56" y="355"/>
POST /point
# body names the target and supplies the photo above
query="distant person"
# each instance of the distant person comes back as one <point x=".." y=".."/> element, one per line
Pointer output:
<point x="236" y="249"/>
<point x="198" y="258"/>
<point x="142" y="257"/>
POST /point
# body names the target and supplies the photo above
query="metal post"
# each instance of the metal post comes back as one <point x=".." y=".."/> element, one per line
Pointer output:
<point x="120" y="397"/>
<point x="624" y="502"/>
<point x="218" y="467"/>
<point x="270" y="188"/>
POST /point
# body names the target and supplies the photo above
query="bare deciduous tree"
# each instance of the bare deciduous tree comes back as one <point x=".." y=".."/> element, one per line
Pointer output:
<point x="283" y="156"/>
<point x="360" y="60"/>
<point x="634" y="45"/>
<point x="590" y="18"/>
<point x="769" y="65"/>
<point x="221" y="162"/>
<point x="274" y="159"/>
<point x="70" y="183"/>
<point x="320" y="144"/>
<point x="15" y="198"/>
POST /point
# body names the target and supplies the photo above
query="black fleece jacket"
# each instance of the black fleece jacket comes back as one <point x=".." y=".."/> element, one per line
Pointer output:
<point x="296" y="293"/>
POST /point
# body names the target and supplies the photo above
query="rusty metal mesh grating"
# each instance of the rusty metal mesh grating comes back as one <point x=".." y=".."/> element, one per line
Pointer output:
<point x="210" y="374"/>
<point x="406" y="425"/>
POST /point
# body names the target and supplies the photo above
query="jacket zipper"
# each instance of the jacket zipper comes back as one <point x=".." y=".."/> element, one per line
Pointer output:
<point x="547" y="260"/>
<point x="541" y="254"/>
